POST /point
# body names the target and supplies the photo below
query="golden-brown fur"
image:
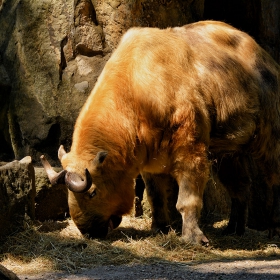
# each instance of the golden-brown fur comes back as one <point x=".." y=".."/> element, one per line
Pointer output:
<point x="165" y="100"/>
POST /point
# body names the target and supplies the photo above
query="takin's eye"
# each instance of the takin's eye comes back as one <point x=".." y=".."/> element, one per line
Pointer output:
<point x="92" y="194"/>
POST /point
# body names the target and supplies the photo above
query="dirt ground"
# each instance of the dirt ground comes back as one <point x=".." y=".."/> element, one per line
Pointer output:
<point x="247" y="269"/>
<point x="133" y="252"/>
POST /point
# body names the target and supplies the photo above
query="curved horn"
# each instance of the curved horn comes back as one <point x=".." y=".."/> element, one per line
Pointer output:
<point x="61" y="152"/>
<point x="54" y="177"/>
<point x="76" y="184"/>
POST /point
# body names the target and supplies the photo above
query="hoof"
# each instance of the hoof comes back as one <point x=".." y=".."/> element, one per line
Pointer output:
<point x="138" y="208"/>
<point x="204" y="241"/>
<point x="164" y="229"/>
<point x="233" y="231"/>
<point x="273" y="232"/>
<point x="200" y="240"/>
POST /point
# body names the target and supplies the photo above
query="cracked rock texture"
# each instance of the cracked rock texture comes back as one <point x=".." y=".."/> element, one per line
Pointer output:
<point x="51" y="53"/>
<point x="17" y="195"/>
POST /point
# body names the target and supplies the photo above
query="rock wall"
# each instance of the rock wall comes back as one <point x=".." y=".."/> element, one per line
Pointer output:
<point x="5" y="90"/>
<point x="45" y="97"/>
<point x="51" y="55"/>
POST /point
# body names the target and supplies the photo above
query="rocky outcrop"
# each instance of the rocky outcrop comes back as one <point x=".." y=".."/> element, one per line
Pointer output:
<point x="50" y="201"/>
<point x="26" y="193"/>
<point x="53" y="52"/>
<point x="116" y="16"/>
<point x="50" y="75"/>
<point x="17" y="195"/>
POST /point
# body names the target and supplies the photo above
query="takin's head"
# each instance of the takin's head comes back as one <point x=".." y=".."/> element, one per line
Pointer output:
<point x="97" y="197"/>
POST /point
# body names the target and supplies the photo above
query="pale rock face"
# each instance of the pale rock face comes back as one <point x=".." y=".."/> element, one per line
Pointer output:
<point x="52" y="54"/>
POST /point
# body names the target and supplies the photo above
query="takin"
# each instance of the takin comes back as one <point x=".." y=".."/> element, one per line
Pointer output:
<point x="172" y="102"/>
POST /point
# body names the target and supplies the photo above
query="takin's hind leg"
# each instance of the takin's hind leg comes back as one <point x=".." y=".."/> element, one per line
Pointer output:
<point x="233" y="172"/>
<point x="264" y="203"/>
<point x="274" y="219"/>
<point x="237" y="220"/>
<point x="159" y="187"/>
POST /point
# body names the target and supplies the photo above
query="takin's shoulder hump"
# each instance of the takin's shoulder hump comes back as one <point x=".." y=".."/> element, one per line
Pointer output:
<point x="136" y="34"/>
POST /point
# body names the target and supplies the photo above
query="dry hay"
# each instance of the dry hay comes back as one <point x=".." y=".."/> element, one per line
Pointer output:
<point x="59" y="246"/>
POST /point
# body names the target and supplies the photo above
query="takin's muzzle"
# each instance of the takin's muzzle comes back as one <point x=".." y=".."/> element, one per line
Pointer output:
<point x="99" y="228"/>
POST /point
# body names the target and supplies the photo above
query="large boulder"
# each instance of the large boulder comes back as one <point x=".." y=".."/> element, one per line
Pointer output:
<point x="50" y="201"/>
<point x="26" y="193"/>
<point x="17" y="195"/>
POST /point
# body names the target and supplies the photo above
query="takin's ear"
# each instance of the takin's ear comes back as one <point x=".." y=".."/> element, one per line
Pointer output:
<point x="99" y="158"/>
<point x="61" y="152"/>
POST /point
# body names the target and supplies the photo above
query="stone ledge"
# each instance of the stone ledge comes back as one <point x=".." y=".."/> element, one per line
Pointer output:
<point x="17" y="194"/>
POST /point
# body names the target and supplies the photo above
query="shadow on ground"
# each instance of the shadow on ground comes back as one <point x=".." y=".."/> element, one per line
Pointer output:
<point x="135" y="252"/>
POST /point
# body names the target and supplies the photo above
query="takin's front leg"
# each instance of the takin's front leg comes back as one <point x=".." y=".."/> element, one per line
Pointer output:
<point x="139" y="191"/>
<point x="237" y="220"/>
<point x="192" y="183"/>
<point x="160" y="189"/>
<point x="189" y="204"/>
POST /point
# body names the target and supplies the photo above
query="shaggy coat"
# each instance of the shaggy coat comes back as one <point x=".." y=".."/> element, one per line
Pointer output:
<point x="170" y="102"/>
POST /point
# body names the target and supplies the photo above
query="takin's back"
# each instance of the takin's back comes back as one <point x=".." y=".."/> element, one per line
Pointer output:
<point x="219" y="72"/>
<point x="208" y="75"/>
